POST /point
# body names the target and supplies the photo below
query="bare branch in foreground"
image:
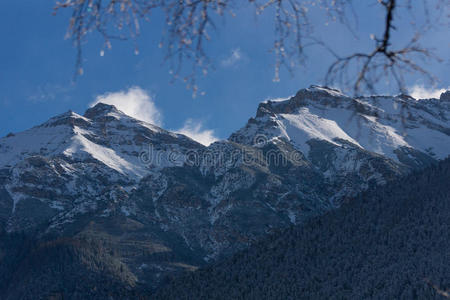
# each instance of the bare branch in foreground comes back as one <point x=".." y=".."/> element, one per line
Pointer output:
<point x="189" y="24"/>
<point x="382" y="62"/>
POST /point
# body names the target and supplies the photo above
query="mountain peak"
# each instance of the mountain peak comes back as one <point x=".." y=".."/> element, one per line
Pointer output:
<point x="445" y="96"/>
<point x="100" y="110"/>
<point x="323" y="89"/>
<point x="380" y="124"/>
<point x="68" y="118"/>
<point x="321" y="95"/>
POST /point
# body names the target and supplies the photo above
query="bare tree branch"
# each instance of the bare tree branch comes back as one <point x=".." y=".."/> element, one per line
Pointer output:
<point x="382" y="62"/>
<point x="439" y="291"/>
<point x="189" y="23"/>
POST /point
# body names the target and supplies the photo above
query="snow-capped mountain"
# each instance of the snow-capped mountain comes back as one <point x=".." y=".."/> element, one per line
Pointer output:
<point x="395" y="127"/>
<point x="71" y="163"/>
<point x="163" y="202"/>
<point x="103" y="133"/>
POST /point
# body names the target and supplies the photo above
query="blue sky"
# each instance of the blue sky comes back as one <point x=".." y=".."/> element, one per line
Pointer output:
<point x="37" y="66"/>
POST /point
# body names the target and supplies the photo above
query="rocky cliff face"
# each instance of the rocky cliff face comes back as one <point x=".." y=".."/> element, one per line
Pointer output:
<point x="73" y="164"/>
<point x="161" y="202"/>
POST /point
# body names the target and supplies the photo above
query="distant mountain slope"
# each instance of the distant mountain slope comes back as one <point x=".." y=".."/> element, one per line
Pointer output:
<point x="73" y="164"/>
<point x="400" y="127"/>
<point x="104" y="134"/>
<point x="160" y="202"/>
<point x="390" y="243"/>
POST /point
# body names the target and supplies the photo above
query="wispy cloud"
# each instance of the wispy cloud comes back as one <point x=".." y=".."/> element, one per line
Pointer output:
<point x="50" y="91"/>
<point x="134" y="102"/>
<point x="235" y="56"/>
<point x="421" y="92"/>
<point x="137" y="103"/>
<point x="195" y="131"/>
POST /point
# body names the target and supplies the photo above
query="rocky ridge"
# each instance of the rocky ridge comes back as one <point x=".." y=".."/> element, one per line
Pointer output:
<point x="162" y="202"/>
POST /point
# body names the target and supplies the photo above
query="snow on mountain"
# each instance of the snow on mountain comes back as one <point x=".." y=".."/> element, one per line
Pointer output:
<point x="104" y="134"/>
<point x="74" y="164"/>
<point x="305" y="125"/>
<point x="384" y="125"/>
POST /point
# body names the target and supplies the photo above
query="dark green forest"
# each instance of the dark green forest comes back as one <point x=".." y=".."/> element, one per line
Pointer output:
<point x="389" y="243"/>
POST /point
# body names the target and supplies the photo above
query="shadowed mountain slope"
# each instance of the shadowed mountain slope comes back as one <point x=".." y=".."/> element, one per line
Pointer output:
<point x="390" y="243"/>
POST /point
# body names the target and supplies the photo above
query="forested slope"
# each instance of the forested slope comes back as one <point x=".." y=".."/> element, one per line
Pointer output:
<point x="391" y="243"/>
